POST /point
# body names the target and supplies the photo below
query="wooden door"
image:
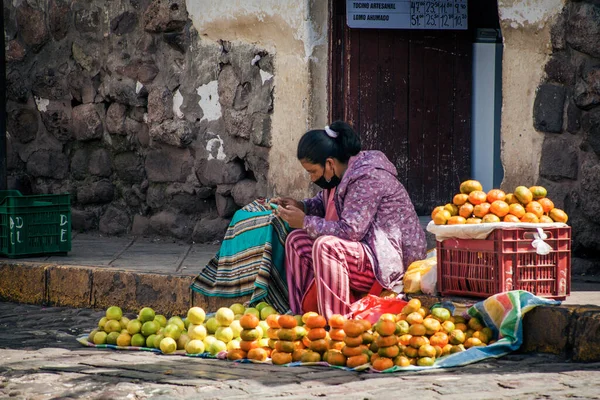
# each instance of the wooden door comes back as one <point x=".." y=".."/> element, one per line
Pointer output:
<point x="408" y="94"/>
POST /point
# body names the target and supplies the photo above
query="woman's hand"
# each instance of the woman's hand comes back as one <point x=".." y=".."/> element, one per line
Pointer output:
<point x="294" y="216"/>
<point x="287" y="201"/>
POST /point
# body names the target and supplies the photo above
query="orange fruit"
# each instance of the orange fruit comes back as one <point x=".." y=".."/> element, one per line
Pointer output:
<point x="272" y="333"/>
<point x="457" y="336"/>
<point x="466" y="210"/>
<point x="417" y="330"/>
<point x="439" y="339"/>
<point x="404" y="339"/>
<point x="473" y="342"/>
<point x="469" y="186"/>
<point x="368" y="337"/>
<point x="236" y="354"/>
<point x="383" y="363"/>
<point x="457" y="220"/>
<point x="538" y="192"/>
<point x="285" y="346"/>
<point x="298" y="353"/>
<point x="353" y="341"/>
<point x="287" y="321"/>
<point x="279" y="358"/>
<point x="286" y="334"/>
<point x="535" y="208"/>
<point x="523" y="194"/>
<point x="441" y="217"/>
<point x="385" y="327"/>
<point x="337" y="321"/>
<point x="258" y="354"/>
<point x="401" y="361"/>
<point x="365" y="323"/>
<point x="500" y="208"/>
<point x="316" y="334"/>
<point x="435" y="211"/>
<point x="511" y="199"/>
<point x="357" y="361"/>
<point x="386" y="341"/>
<point x="546" y="204"/>
<point x="480" y="210"/>
<point x="451" y="208"/>
<point x="432" y="325"/>
<point x="517" y="210"/>
<point x="461" y="326"/>
<point x="490" y="218"/>
<point x="337" y="334"/>
<point x="427" y="350"/>
<point x="389" y="351"/>
<point x="530" y="217"/>
<point x="412" y="306"/>
<point x="272" y="321"/>
<point x="460" y="199"/>
<point x="247" y="346"/>
<point x="411" y="352"/>
<point x="319" y="345"/>
<point x="310" y="356"/>
<point x="473" y="220"/>
<point x="544" y="219"/>
<point x="510" y="218"/>
<point x="251" y="334"/>
<point x="495" y="194"/>
<point x="418" y="341"/>
<point x="353" y="328"/>
<point x="249" y="321"/>
<point x="334" y="357"/>
<point x="349" y="351"/>
<point x="558" y="215"/>
<point x="414" y="318"/>
<point x="336" y="345"/>
<point x="309" y="314"/>
<point x="477" y="197"/>
<point x="316" y="321"/>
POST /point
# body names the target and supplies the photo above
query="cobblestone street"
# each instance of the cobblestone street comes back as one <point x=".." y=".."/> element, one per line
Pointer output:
<point x="40" y="359"/>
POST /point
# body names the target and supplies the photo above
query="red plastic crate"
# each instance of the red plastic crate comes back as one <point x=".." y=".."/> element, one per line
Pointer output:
<point x="504" y="261"/>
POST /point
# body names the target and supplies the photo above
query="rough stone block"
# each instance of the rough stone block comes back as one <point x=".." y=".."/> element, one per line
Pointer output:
<point x="32" y="26"/>
<point x="586" y="335"/>
<point x="583" y="28"/>
<point x="69" y="286"/>
<point x="87" y="124"/>
<point x="559" y="159"/>
<point x="573" y="117"/>
<point x="559" y="69"/>
<point x="546" y="330"/>
<point x="115" y="221"/>
<point x="244" y="192"/>
<point x="166" y="294"/>
<point x="548" y="108"/>
<point x="168" y="164"/>
<point x="163" y="16"/>
<point x="22" y="124"/>
<point x="172" y="224"/>
<point x="587" y="90"/>
<point x="23" y="283"/>
<point x="208" y="230"/>
<point x="591" y="125"/>
<point x="49" y="164"/>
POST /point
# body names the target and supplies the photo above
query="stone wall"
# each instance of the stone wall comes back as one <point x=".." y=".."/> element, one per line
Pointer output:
<point x="122" y="103"/>
<point x="567" y="110"/>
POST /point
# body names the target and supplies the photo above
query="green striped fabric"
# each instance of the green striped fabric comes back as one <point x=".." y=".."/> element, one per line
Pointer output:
<point x="250" y="260"/>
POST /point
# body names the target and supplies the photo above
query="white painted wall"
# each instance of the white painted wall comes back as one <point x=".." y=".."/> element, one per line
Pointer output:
<point x="296" y="32"/>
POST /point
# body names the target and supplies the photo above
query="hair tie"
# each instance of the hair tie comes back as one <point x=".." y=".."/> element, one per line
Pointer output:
<point x="330" y="132"/>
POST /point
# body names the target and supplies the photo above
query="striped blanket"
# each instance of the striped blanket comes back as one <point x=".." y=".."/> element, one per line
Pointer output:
<point x="250" y="260"/>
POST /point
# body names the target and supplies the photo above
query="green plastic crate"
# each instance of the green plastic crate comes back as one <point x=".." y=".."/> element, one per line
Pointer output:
<point x="34" y="225"/>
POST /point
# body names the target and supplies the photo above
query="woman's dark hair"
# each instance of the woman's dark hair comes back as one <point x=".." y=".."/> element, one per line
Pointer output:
<point x="316" y="146"/>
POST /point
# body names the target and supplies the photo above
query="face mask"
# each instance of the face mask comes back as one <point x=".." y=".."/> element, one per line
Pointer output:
<point x="327" y="184"/>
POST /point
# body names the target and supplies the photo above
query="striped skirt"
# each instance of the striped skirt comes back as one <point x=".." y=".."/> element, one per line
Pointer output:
<point x="250" y="261"/>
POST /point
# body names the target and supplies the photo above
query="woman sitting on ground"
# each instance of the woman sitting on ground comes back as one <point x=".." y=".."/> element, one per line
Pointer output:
<point x="360" y="231"/>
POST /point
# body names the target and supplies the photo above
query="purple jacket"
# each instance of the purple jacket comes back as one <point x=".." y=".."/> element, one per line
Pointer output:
<point x="374" y="209"/>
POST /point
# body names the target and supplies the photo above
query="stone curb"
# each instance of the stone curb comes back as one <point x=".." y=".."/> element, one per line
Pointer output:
<point x="572" y="332"/>
<point x="90" y="287"/>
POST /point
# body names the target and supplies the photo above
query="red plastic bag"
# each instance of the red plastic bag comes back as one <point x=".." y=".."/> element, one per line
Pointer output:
<point x="372" y="307"/>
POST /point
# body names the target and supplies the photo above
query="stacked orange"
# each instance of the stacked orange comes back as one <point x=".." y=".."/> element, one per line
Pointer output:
<point x="474" y="206"/>
<point x="355" y="350"/>
<point x="337" y="335"/>
<point x="249" y="343"/>
<point x="386" y="344"/>
<point x="289" y="340"/>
